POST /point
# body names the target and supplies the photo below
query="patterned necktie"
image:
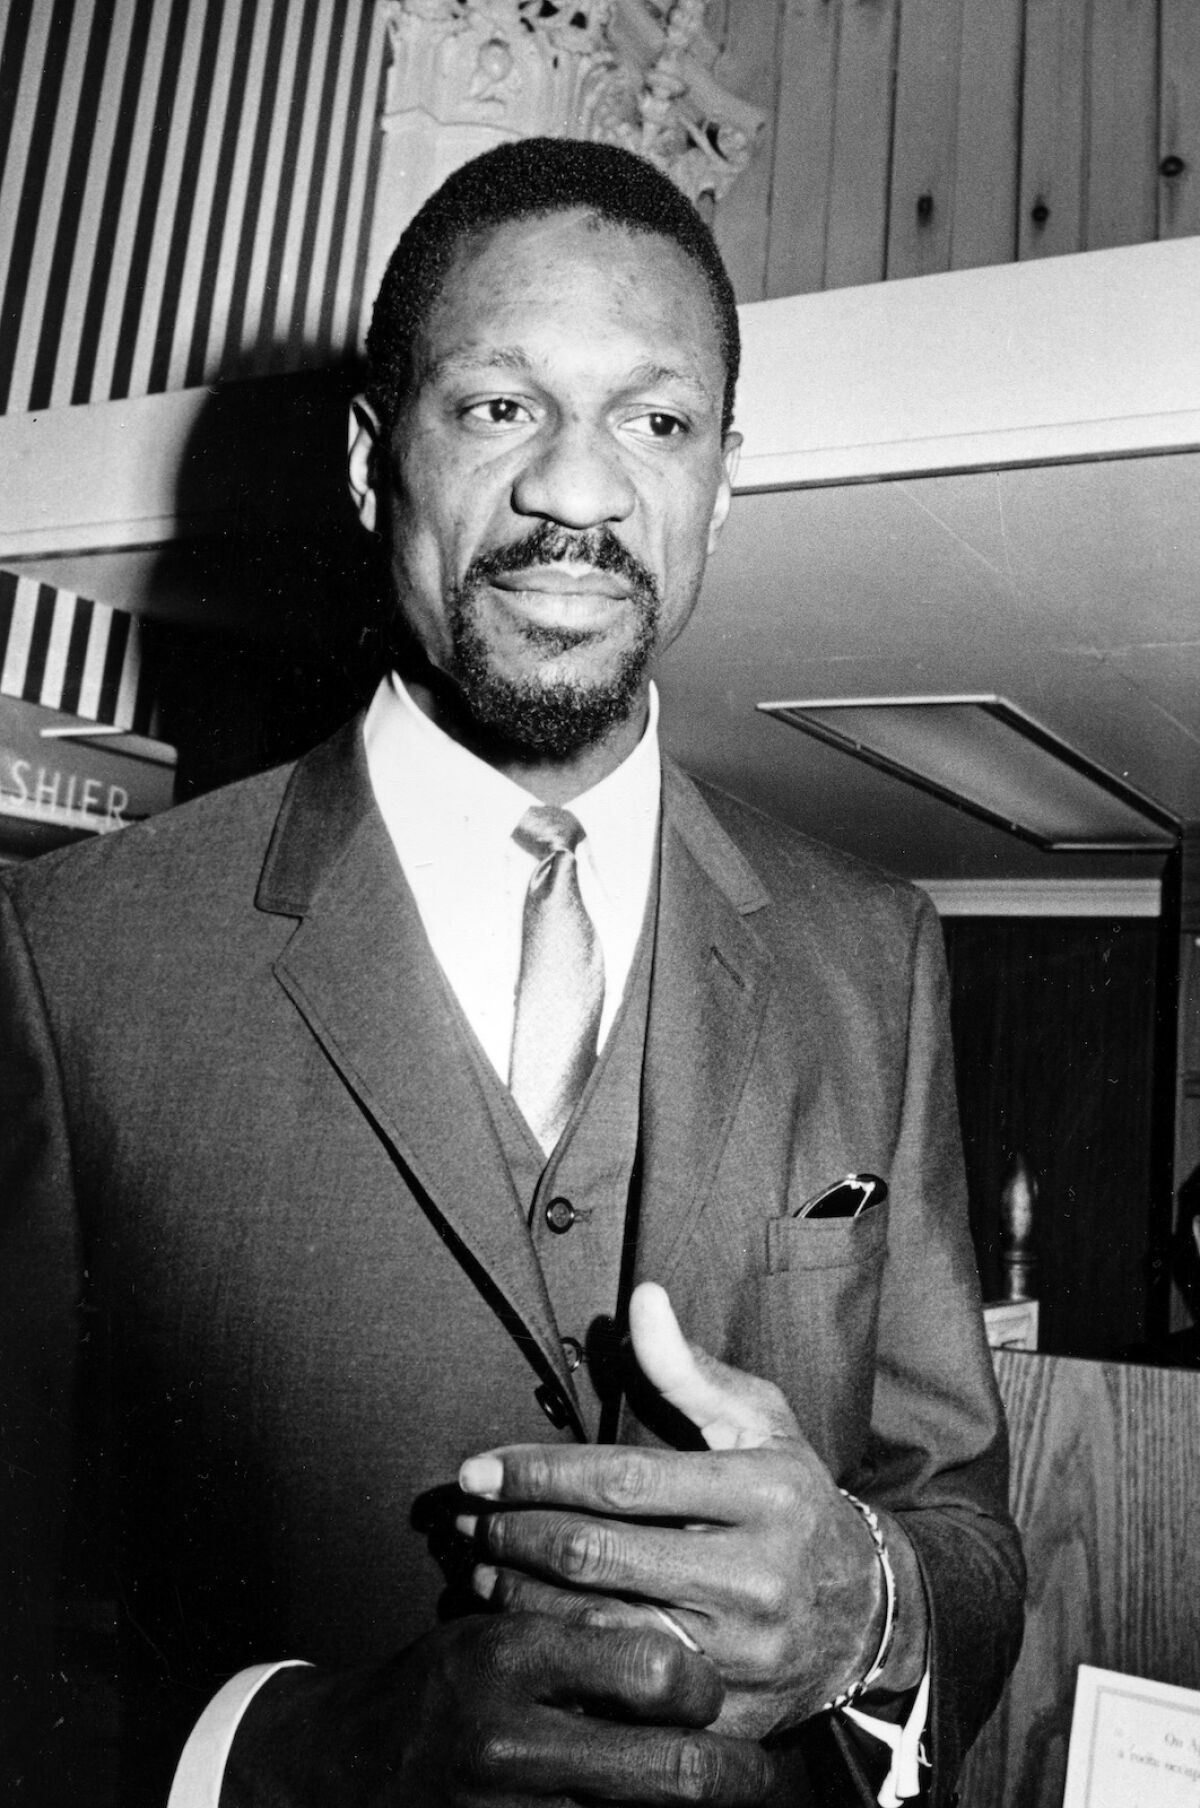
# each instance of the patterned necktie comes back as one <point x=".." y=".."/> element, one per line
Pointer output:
<point x="560" y="992"/>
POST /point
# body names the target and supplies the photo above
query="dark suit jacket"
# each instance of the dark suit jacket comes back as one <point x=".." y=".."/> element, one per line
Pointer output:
<point x="253" y="1204"/>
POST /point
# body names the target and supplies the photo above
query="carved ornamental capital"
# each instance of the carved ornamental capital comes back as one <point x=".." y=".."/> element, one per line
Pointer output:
<point x="632" y="72"/>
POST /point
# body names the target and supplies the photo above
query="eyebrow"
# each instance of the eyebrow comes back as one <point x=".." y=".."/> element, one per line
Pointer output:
<point x="467" y="358"/>
<point x="650" y="375"/>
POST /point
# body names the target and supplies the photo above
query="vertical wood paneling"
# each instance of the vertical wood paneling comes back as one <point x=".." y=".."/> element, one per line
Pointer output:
<point x="183" y="182"/>
<point x="194" y="199"/>
<point x="803" y="160"/>
<point x="217" y="266"/>
<point x="90" y="212"/>
<point x="311" y="144"/>
<point x="140" y="147"/>
<point x="62" y="621"/>
<point x="1122" y="180"/>
<point x="350" y="306"/>
<point x="66" y="652"/>
<point x="14" y="28"/>
<point x="984" y="228"/>
<point x="69" y="157"/>
<point x="1105" y="1490"/>
<point x="749" y="65"/>
<point x="1032" y="1000"/>
<point x="168" y="202"/>
<point x="921" y="212"/>
<point x="18" y="640"/>
<point x="103" y="286"/>
<point x="275" y="186"/>
<point x="1179" y="131"/>
<point x="858" y="196"/>
<point x="306" y="329"/>
<point x="1053" y="127"/>
<point x="205" y="172"/>
<point x="169" y="104"/>
<point x="24" y="177"/>
<point x="246" y="194"/>
<point x="181" y="189"/>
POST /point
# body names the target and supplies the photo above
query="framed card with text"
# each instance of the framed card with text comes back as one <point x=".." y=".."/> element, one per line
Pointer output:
<point x="1134" y="1743"/>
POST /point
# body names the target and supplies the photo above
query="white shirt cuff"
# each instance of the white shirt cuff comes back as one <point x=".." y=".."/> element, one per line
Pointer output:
<point x="903" y="1779"/>
<point x="201" y="1767"/>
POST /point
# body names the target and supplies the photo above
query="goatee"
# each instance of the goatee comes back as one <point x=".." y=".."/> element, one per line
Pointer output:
<point x="551" y="718"/>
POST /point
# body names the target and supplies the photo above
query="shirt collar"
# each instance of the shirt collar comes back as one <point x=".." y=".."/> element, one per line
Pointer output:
<point x="440" y="801"/>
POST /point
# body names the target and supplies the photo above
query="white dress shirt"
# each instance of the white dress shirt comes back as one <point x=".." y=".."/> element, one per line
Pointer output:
<point x="451" y="819"/>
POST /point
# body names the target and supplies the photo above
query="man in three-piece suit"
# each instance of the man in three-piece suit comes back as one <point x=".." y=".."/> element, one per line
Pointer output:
<point x="408" y="1265"/>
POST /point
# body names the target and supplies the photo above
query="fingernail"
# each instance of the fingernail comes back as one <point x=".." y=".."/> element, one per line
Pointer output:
<point x="483" y="1580"/>
<point x="466" y="1523"/>
<point x="483" y="1476"/>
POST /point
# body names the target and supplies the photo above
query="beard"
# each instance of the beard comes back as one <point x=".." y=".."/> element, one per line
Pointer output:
<point x="550" y="718"/>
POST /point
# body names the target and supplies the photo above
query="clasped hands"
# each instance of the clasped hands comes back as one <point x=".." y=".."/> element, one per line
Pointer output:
<point x="746" y="1551"/>
<point x="662" y="1612"/>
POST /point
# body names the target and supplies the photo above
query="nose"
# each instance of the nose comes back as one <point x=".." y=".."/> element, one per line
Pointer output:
<point x="574" y="477"/>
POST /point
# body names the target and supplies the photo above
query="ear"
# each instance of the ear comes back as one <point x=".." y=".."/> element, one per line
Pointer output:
<point x="365" y="451"/>
<point x="729" y="458"/>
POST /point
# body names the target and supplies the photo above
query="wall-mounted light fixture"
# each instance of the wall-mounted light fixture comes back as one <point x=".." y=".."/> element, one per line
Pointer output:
<point x="986" y="756"/>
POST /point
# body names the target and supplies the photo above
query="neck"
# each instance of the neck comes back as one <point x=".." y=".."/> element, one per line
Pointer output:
<point x="551" y="781"/>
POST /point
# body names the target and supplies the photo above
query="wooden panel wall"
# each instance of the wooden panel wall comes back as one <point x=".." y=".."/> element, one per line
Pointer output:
<point x="1106" y="1491"/>
<point x="911" y="136"/>
<point x="1053" y="1025"/>
<point x="1184" y="1255"/>
<point x="185" y="191"/>
<point x="185" y="184"/>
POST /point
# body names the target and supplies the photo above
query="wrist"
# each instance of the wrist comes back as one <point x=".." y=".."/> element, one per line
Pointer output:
<point x="895" y="1638"/>
<point x="908" y="1657"/>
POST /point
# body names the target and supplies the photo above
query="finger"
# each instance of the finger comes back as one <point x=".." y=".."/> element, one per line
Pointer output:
<point x="515" y="1592"/>
<point x="695" y="1570"/>
<point x="731" y="1409"/>
<point x="723" y="1487"/>
<point x="600" y="1761"/>
<point x="635" y="1674"/>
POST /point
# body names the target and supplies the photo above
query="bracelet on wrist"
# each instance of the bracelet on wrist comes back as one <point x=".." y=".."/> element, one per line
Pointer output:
<point x="873" y="1674"/>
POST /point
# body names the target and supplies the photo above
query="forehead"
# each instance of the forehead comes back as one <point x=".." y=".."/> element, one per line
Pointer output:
<point x="576" y="278"/>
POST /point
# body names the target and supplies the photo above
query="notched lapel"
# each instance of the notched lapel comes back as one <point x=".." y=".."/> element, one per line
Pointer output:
<point x="712" y="979"/>
<point x="359" y="970"/>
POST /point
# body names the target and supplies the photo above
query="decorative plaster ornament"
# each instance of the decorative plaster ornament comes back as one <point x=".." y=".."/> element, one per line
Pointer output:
<point x="466" y="75"/>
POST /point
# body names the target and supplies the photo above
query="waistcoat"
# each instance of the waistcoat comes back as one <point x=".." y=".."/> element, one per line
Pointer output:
<point x="578" y="1202"/>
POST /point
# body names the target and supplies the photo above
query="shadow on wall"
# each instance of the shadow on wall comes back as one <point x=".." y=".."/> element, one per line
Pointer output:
<point x="269" y="625"/>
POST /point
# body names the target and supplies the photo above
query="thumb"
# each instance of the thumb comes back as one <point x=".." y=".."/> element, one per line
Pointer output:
<point x="731" y="1409"/>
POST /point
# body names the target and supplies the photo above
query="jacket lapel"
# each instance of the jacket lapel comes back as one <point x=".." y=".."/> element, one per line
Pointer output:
<point x="360" y="972"/>
<point x="712" y="979"/>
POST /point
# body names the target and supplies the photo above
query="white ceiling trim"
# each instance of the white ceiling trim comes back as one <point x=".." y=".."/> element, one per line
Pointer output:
<point x="1089" y="356"/>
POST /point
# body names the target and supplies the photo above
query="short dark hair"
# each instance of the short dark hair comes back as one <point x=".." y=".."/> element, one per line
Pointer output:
<point x="529" y="179"/>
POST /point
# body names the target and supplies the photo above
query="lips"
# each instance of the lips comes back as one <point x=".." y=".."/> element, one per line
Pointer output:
<point x="562" y="580"/>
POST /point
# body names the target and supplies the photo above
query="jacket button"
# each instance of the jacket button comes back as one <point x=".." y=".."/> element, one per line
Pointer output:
<point x="553" y="1405"/>
<point x="560" y="1215"/>
<point x="573" y="1351"/>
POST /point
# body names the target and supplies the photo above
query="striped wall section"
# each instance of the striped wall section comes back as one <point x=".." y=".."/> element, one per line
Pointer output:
<point x="185" y="190"/>
<point x="68" y="653"/>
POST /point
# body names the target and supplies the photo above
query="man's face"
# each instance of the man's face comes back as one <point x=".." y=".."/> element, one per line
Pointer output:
<point x="557" y="477"/>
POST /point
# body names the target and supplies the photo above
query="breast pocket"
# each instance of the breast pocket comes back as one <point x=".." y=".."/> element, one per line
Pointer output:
<point x="823" y="1280"/>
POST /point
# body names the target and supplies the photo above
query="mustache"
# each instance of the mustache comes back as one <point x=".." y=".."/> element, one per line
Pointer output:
<point x="550" y="545"/>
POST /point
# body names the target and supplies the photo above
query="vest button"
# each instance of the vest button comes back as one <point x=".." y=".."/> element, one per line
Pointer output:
<point x="553" y="1405"/>
<point x="573" y="1351"/>
<point x="560" y="1215"/>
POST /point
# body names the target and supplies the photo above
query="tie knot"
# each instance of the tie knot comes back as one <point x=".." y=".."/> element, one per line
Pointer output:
<point x="545" y="830"/>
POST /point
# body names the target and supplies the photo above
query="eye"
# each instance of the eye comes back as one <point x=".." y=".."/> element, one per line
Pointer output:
<point x="656" y="423"/>
<point x="498" y="411"/>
